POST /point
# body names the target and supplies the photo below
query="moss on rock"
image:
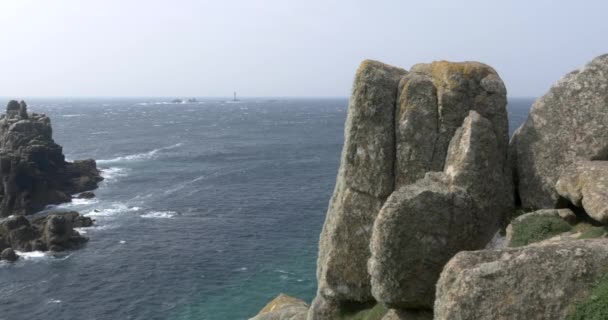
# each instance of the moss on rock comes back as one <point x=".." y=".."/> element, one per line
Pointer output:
<point x="595" y="307"/>
<point x="374" y="312"/>
<point x="537" y="228"/>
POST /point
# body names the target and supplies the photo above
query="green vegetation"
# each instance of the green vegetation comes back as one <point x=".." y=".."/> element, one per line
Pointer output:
<point x="375" y="312"/>
<point x="536" y="228"/>
<point x="593" y="232"/>
<point x="595" y="307"/>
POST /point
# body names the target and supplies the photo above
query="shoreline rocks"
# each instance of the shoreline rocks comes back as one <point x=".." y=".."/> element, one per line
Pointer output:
<point x="50" y="232"/>
<point x="33" y="170"/>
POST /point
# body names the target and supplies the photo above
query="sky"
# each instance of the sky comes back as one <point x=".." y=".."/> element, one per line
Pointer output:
<point x="281" y="48"/>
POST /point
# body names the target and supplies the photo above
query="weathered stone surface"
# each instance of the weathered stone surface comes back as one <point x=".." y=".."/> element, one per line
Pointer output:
<point x="33" y="170"/>
<point x="433" y="101"/>
<point x="369" y="135"/>
<point x="283" y="307"/>
<point x="365" y="179"/>
<point x="585" y="184"/>
<point x="422" y="225"/>
<point x="530" y="219"/>
<point x="566" y="125"/>
<point x="541" y="281"/>
<point x="395" y="314"/>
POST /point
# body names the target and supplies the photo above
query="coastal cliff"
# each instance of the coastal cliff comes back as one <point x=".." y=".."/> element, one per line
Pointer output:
<point x="34" y="174"/>
<point x="428" y="177"/>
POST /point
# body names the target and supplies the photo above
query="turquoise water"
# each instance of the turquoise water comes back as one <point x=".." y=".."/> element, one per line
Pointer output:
<point x="208" y="210"/>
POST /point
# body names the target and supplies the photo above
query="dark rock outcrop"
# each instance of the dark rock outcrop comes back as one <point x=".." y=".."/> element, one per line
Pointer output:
<point x="33" y="170"/>
<point x="8" y="254"/>
<point x="54" y="232"/>
<point x="566" y="125"/>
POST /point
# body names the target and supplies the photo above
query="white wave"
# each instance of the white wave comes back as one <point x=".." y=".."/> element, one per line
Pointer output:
<point x="53" y="301"/>
<point x="160" y="214"/>
<point x="82" y="202"/>
<point x="112" y="173"/>
<point x="140" y="156"/>
<point x="71" y="115"/>
<point x="32" y="255"/>
<point x="85" y="230"/>
<point x="122" y="242"/>
<point x="113" y="210"/>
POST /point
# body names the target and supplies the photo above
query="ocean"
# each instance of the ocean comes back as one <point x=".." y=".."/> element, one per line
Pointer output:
<point x="208" y="210"/>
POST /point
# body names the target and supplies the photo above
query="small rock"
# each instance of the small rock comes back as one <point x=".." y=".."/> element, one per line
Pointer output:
<point x="86" y="195"/>
<point x="9" y="254"/>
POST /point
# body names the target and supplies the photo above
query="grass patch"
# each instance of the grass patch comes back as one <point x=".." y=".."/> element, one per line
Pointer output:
<point x="376" y="312"/>
<point x="595" y="307"/>
<point x="536" y="228"/>
<point x="593" y="232"/>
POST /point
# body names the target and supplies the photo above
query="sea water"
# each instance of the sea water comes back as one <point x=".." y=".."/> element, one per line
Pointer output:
<point x="208" y="210"/>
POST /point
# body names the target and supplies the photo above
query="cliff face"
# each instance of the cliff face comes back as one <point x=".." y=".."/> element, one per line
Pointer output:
<point x="33" y="169"/>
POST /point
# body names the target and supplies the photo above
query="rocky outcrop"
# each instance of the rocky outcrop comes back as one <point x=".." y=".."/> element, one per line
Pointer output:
<point x="401" y="126"/>
<point x="33" y="170"/>
<point x="422" y="225"/>
<point x="566" y="125"/>
<point x="543" y="281"/>
<point x="365" y="179"/>
<point x="283" y="307"/>
<point x="585" y="184"/>
<point x="54" y="232"/>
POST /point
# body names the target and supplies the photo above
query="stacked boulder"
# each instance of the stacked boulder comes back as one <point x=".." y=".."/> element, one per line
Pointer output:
<point x="556" y="268"/>
<point x="33" y="170"/>
<point x="423" y="175"/>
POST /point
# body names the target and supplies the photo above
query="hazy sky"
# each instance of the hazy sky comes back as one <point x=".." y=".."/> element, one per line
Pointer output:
<point x="281" y="48"/>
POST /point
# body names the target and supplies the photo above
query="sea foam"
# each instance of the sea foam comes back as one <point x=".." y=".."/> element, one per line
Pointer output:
<point x="140" y="156"/>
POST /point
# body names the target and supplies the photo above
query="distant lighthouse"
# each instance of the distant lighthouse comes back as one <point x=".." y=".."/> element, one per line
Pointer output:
<point x="234" y="99"/>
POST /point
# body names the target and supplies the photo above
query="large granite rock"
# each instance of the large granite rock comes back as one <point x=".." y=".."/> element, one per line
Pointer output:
<point x="542" y="281"/>
<point x="33" y="170"/>
<point x="365" y="179"/>
<point x="422" y="225"/>
<point x="399" y="127"/>
<point x="585" y="184"/>
<point x="566" y="125"/>
<point x="283" y="307"/>
<point x="433" y="101"/>
<point x="53" y="231"/>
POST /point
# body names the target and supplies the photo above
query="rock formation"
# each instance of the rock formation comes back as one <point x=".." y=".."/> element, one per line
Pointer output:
<point x="422" y="225"/>
<point x="33" y="169"/>
<point x="400" y="126"/>
<point x="585" y="184"/>
<point x="365" y="179"/>
<point x="54" y="232"/>
<point x="566" y="125"/>
<point x="535" y="282"/>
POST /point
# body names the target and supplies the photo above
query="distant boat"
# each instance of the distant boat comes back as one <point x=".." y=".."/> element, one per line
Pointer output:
<point x="177" y="101"/>
<point x="192" y="100"/>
